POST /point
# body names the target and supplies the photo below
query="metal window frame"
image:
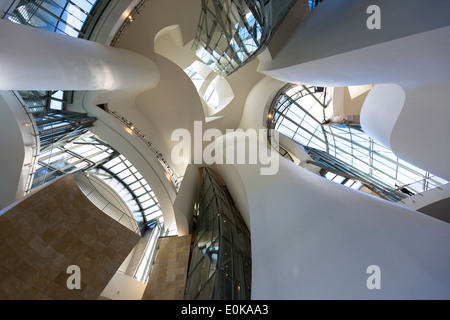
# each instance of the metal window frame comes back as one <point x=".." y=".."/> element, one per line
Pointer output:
<point x="283" y="102"/>
<point x="224" y="56"/>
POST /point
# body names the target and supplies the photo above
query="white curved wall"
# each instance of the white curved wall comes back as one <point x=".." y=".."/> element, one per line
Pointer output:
<point x="422" y="131"/>
<point x="381" y="110"/>
<point x="12" y="156"/>
<point x="34" y="59"/>
<point x="258" y="103"/>
<point x="131" y="147"/>
<point x="169" y="43"/>
<point x="314" y="239"/>
<point x="413" y="122"/>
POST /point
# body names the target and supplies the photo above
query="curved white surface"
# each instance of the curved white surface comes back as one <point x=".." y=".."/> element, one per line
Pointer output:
<point x="413" y="122"/>
<point x="34" y="59"/>
<point x="12" y="141"/>
<point x="381" y="110"/>
<point x="421" y="134"/>
<point x="314" y="239"/>
<point x="334" y="45"/>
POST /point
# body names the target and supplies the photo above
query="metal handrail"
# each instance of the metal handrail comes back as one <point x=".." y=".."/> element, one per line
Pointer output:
<point x="176" y="182"/>
<point x="152" y="249"/>
<point x="128" y="20"/>
<point x="425" y="184"/>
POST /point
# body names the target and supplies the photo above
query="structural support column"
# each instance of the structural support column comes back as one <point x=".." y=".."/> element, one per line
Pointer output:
<point x="34" y="59"/>
<point x="316" y="239"/>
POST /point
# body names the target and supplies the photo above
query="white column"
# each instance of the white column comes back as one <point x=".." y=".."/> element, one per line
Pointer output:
<point x="315" y="239"/>
<point x="34" y="59"/>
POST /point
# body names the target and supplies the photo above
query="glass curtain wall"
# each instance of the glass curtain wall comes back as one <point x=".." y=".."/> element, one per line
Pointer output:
<point x="83" y="151"/>
<point x="125" y="179"/>
<point x="77" y="151"/>
<point x="231" y="32"/>
<point x="44" y="100"/>
<point x="220" y="267"/>
<point x="54" y="125"/>
<point x="61" y="16"/>
<point x="301" y="113"/>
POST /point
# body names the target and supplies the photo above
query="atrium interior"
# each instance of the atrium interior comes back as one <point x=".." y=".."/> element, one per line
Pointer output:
<point x="224" y="149"/>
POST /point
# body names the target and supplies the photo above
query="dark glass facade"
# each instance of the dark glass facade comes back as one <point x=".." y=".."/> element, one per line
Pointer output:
<point x="220" y="267"/>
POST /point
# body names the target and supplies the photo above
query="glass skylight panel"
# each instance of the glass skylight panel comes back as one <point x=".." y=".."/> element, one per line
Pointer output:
<point x="87" y="152"/>
<point x="85" y="5"/>
<point x="357" y="185"/>
<point x="211" y="97"/>
<point x="298" y="116"/>
<point x="61" y="16"/>
<point x="138" y="193"/>
<point x="195" y="77"/>
<point x="301" y="139"/>
<point x="56" y="101"/>
<point x="383" y="167"/>
<point x="437" y="181"/>
<point x="318" y="144"/>
<point x="145" y="197"/>
<point x="338" y="179"/>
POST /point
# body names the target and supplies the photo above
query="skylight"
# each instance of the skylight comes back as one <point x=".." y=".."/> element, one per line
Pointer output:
<point x="301" y="113"/>
<point x="211" y="96"/>
<point x="195" y="77"/>
<point x="125" y="179"/>
<point x="66" y="17"/>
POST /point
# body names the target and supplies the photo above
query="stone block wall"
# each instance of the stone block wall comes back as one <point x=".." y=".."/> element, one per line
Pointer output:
<point x="52" y="229"/>
<point x="168" y="278"/>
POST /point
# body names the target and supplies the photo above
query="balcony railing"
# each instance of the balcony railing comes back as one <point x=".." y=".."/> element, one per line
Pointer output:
<point x="427" y="184"/>
<point x="176" y="182"/>
<point x="128" y="20"/>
